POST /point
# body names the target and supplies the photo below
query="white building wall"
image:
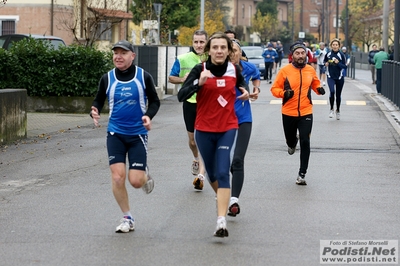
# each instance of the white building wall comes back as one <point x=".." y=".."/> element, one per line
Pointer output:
<point x="164" y="67"/>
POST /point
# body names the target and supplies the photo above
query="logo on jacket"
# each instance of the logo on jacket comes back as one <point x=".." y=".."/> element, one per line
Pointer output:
<point x="220" y="83"/>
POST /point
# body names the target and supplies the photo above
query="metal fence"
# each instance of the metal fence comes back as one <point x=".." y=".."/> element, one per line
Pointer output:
<point x="391" y="81"/>
<point x="351" y="68"/>
<point x="147" y="58"/>
<point x="360" y="57"/>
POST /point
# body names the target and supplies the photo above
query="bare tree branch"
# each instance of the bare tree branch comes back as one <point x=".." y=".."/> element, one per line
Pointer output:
<point x="91" y="20"/>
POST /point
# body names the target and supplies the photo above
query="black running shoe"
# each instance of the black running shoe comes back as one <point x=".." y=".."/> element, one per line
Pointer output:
<point x="234" y="209"/>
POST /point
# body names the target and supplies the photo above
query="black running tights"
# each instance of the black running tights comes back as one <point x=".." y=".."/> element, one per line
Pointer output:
<point x="303" y="124"/>
<point x="237" y="167"/>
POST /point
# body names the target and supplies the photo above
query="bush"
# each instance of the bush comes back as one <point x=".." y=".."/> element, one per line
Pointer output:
<point x="70" y="71"/>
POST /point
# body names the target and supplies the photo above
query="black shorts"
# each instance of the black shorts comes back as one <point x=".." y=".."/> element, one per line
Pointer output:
<point x="119" y="145"/>
<point x="189" y="115"/>
<point x="322" y="69"/>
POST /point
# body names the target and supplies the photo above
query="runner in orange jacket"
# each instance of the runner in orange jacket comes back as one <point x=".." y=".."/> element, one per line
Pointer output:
<point x="293" y="84"/>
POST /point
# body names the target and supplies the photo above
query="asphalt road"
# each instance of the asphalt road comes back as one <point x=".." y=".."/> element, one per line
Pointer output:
<point x="57" y="206"/>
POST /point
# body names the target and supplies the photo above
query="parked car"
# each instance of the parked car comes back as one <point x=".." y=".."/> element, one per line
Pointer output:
<point x="254" y="55"/>
<point x="6" y="41"/>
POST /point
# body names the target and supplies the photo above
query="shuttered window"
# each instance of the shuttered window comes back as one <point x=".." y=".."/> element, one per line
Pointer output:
<point x="7" y="27"/>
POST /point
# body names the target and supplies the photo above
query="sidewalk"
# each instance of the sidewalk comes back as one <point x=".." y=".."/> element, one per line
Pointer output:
<point x="46" y="123"/>
<point x="363" y="82"/>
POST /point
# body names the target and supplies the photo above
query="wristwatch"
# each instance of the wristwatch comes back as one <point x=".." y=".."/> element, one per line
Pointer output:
<point x="257" y="88"/>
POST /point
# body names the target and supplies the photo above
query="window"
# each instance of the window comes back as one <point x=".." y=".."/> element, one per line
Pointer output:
<point x="104" y="31"/>
<point x="8" y="24"/>
<point x="243" y="11"/>
<point x="334" y="22"/>
<point x="7" y="27"/>
<point x="313" y="21"/>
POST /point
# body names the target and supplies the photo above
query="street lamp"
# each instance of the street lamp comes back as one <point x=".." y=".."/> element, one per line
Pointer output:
<point x="202" y="15"/>
<point x="157" y="8"/>
<point x="346" y="28"/>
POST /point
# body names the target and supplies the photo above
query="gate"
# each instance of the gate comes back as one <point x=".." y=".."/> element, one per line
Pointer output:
<point x="147" y="58"/>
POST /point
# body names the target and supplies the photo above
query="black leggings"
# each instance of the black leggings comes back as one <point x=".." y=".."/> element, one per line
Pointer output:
<point x="237" y="167"/>
<point x="339" y="83"/>
<point x="268" y="70"/>
<point x="304" y="125"/>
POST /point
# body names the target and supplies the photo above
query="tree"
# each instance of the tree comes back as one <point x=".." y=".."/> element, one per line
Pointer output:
<point x="323" y="20"/>
<point x="284" y="35"/>
<point x="220" y="5"/>
<point x="90" y="20"/>
<point x="268" y="7"/>
<point x="361" y="30"/>
<point x="174" y="14"/>
<point x="213" y="21"/>
<point x="264" y="26"/>
<point x="178" y="14"/>
<point x="142" y="10"/>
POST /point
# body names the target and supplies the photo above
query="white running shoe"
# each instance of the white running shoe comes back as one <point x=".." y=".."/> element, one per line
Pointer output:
<point x="149" y="185"/>
<point x="195" y="167"/>
<point x="221" y="230"/>
<point x="337" y="115"/>
<point x="323" y="84"/>
<point x="125" y="226"/>
<point x="331" y="113"/>
<point x="301" y="180"/>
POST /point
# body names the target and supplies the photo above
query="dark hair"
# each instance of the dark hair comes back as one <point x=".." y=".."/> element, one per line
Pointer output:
<point x="200" y="32"/>
<point x="219" y="35"/>
<point x="232" y="32"/>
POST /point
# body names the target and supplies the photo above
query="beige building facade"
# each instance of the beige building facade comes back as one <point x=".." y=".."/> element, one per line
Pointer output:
<point x="68" y="19"/>
<point x="242" y="12"/>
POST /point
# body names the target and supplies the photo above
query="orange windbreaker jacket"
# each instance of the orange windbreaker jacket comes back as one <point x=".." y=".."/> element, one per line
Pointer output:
<point x="301" y="81"/>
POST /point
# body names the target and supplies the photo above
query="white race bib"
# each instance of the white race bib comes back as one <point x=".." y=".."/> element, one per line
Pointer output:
<point x="222" y="101"/>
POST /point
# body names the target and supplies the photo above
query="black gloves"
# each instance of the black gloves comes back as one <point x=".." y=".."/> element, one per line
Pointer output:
<point x="288" y="91"/>
<point x="321" y="90"/>
<point x="288" y="94"/>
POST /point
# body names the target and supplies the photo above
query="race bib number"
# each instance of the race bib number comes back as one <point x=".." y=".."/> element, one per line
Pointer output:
<point x="222" y="101"/>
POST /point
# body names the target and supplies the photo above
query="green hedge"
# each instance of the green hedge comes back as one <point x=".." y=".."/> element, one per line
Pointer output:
<point x="70" y="71"/>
